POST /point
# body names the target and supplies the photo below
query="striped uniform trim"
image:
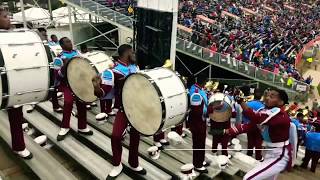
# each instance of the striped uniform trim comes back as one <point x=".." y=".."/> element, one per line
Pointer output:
<point x="268" y="166"/>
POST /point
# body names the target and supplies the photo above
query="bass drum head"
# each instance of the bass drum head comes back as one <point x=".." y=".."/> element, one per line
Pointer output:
<point x="79" y="76"/>
<point x="142" y="104"/>
<point x="223" y="114"/>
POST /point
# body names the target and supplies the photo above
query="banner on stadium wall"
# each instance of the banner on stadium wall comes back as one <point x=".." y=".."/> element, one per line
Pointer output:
<point x="301" y="88"/>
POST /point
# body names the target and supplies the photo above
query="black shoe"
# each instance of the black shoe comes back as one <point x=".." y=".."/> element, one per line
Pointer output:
<point x="62" y="137"/>
<point x="89" y="133"/>
<point x="165" y="143"/>
<point x="111" y="178"/>
<point x="30" y="156"/>
<point x="206" y="163"/>
<point x="201" y="171"/>
<point x="141" y="172"/>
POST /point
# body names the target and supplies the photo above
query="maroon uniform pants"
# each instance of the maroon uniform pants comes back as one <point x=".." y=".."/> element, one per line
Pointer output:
<point x="16" y="119"/>
<point x="311" y="155"/>
<point x="158" y="137"/>
<point x="119" y="126"/>
<point x="105" y="105"/>
<point x="67" y="109"/>
<point x="54" y="99"/>
<point x="199" y="133"/>
<point x="223" y="139"/>
<point x="254" y="141"/>
<point x="178" y="129"/>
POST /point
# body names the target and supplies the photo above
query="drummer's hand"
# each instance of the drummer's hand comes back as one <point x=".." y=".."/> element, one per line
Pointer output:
<point x="226" y="131"/>
<point x="96" y="81"/>
<point x="239" y="99"/>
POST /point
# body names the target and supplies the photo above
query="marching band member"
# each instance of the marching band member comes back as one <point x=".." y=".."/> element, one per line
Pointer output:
<point x="197" y="121"/>
<point x="54" y="40"/>
<point x="67" y="54"/>
<point x="54" y="96"/>
<point x="275" y="126"/>
<point x="114" y="78"/>
<point x="254" y="136"/>
<point x="222" y="138"/>
<point x="15" y="115"/>
<point x="298" y="122"/>
<point x="312" y="147"/>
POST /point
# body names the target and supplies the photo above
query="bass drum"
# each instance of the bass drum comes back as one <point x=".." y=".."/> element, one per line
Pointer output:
<point x="223" y="114"/>
<point x="81" y="70"/>
<point x="154" y="100"/>
<point x="25" y="68"/>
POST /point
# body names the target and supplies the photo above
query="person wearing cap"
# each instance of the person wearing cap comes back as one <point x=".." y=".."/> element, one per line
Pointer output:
<point x="312" y="143"/>
<point x="275" y="127"/>
<point x="197" y="121"/>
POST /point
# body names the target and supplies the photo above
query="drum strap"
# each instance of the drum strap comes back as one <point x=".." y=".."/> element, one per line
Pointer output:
<point x="107" y="78"/>
<point x="271" y="113"/>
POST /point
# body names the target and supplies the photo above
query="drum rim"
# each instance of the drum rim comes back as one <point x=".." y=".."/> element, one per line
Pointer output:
<point x="4" y="83"/>
<point x="163" y="105"/>
<point x="66" y="78"/>
<point x="50" y="60"/>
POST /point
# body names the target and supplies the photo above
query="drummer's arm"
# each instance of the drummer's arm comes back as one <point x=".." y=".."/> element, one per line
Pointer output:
<point x="255" y="117"/>
<point x="102" y="90"/>
<point x="239" y="129"/>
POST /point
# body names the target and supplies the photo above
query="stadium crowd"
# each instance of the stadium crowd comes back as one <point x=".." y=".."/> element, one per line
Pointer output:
<point x="266" y="33"/>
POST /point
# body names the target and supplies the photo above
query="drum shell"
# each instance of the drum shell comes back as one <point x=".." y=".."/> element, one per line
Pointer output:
<point x="169" y="100"/>
<point x="223" y="114"/>
<point x="92" y="64"/>
<point x="26" y="76"/>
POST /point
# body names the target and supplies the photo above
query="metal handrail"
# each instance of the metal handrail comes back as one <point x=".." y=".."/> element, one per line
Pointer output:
<point x="239" y="67"/>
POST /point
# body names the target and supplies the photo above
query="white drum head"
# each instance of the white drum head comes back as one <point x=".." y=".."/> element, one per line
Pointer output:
<point x="223" y="114"/>
<point x="79" y="75"/>
<point x="142" y="104"/>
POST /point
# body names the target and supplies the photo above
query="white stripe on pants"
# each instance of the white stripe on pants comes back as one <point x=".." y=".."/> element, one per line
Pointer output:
<point x="271" y="167"/>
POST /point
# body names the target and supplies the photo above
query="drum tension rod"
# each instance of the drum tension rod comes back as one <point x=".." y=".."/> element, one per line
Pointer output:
<point x="165" y="77"/>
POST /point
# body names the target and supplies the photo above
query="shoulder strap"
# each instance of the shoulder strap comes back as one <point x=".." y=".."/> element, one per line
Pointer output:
<point x="271" y="113"/>
<point x="196" y="98"/>
<point x="107" y="77"/>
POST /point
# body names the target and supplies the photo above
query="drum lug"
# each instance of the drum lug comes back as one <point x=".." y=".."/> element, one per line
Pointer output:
<point x="37" y="53"/>
<point x="161" y="99"/>
<point x="5" y="96"/>
<point x="176" y="115"/>
<point x="14" y="55"/>
<point x="165" y="77"/>
<point x="26" y="92"/>
<point x="3" y="70"/>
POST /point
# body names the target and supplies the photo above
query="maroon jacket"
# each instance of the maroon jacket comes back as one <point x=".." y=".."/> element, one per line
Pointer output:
<point x="278" y="126"/>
